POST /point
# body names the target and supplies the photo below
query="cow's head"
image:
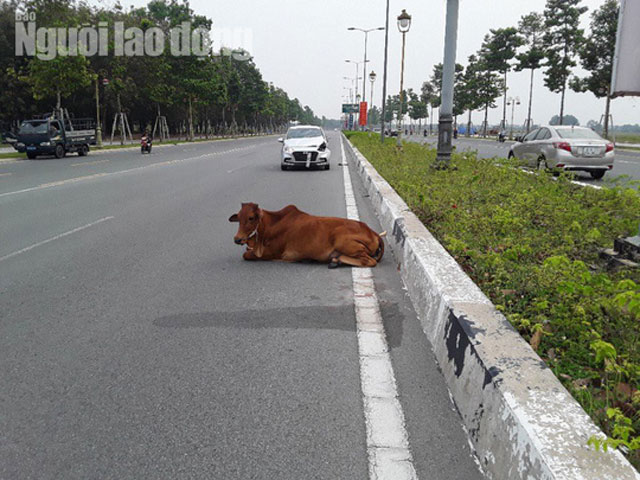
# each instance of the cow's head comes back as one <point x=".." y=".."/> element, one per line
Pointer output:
<point x="249" y="217"/>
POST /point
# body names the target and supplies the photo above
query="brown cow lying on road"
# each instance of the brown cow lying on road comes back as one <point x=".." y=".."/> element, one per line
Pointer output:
<point x="292" y="235"/>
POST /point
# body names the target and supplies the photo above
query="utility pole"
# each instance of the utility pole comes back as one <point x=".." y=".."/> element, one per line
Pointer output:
<point x="448" y="75"/>
<point x="98" y="127"/>
<point x="384" y="77"/>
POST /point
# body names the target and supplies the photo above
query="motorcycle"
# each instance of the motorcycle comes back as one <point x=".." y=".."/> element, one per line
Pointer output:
<point x="145" y="144"/>
<point x="501" y="137"/>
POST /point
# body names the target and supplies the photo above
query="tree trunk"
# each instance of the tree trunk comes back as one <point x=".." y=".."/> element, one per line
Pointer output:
<point x="530" y="101"/>
<point x="190" y="120"/>
<point x="606" y="116"/>
<point x="58" y="103"/>
<point x="469" y="125"/>
<point x="486" y="117"/>
<point x="504" y="102"/>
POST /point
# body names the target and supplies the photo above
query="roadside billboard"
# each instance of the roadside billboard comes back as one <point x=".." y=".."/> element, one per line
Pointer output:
<point x="626" y="63"/>
<point x="349" y="108"/>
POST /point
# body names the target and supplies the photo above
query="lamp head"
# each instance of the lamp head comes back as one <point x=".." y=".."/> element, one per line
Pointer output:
<point x="404" y="21"/>
<point x="372" y="76"/>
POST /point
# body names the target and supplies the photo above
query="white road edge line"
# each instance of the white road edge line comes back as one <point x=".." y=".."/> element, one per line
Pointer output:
<point x="57" y="237"/>
<point x="387" y="439"/>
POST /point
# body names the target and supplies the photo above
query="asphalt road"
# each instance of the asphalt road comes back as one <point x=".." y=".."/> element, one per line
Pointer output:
<point x="136" y="343"/>
<point x="626" y="166"/>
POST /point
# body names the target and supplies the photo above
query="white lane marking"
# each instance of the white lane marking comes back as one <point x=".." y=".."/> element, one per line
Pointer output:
<point x="95" y="162"/>
<point x="6" y="174"/>
<point x="109" y="174"/>
<point x="387" y="439"/>
<point x="57" y="237"/>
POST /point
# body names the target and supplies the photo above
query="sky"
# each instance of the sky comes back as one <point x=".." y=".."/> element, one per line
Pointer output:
<point x="302" y="45"/>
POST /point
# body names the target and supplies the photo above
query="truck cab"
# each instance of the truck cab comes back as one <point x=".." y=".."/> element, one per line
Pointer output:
<point x="54" y="136"/>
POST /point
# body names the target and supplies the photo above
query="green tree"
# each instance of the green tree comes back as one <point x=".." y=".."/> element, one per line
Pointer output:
<point x="568" y="120"/>
<point x="417" y="108"/>
<point x="471" y="92"/>
<point x="498" y="49"/>
<point x="562" y="39"/>
<point x="596" y="55"/>
<point x="59" y="77"/>
<point x="531" y="28"/>
<point x="487" y="86"/>
<point x="430" y="97"/>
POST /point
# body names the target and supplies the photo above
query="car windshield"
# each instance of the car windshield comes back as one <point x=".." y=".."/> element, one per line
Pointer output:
<point x="580" y="133"/>
<point x="304" y="133"/>
<point x="33" y="127"/>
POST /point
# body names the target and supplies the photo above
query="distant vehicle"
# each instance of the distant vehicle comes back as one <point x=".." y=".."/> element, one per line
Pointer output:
<point x="566" y="148"/>
<point x="391" y="133"/>
<point x="55" y="136"/>
<point x="305" y="146"/>
<point x="145" y="143"/>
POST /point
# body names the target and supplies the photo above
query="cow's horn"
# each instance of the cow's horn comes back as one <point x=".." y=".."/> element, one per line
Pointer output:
<point x="383" y="234"/>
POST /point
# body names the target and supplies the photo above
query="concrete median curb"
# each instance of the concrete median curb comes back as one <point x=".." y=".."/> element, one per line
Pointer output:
<point x="522" y="422"/>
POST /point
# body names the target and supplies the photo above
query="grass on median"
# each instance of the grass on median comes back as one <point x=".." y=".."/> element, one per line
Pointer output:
<point x="531" y="244"/>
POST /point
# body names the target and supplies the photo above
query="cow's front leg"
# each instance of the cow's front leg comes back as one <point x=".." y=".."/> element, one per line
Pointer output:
<point x="249" y="255"/>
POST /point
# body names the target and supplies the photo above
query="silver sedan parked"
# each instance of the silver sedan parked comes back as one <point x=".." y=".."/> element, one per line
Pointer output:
<point x="566" y="148"/>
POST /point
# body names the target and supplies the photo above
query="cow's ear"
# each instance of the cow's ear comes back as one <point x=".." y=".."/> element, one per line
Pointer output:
<point x="234" y="218"/>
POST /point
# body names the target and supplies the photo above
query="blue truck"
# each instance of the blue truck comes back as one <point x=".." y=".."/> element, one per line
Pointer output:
<point x="54" y="135"/>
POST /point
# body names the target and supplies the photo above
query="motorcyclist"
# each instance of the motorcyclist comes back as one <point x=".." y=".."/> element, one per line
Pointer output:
<point x="146" y="140"/>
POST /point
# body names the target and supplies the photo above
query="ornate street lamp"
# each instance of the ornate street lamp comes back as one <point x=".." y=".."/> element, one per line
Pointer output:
<point x="404" y="23"/>
<point x="372" y="78"/>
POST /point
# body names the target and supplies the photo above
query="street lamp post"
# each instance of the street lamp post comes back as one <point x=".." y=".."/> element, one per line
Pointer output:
<point x="105" y="82"/>
<point x="512" y="102"/>
<point x="404" y="23"/>
<point x="98" y="127"/>
<point x="357" y="77"/>
<point x="372" y="78"/>
<point x="448" y="71"/>
<point x="364" y="68"/>
<point x="384" y="78"/>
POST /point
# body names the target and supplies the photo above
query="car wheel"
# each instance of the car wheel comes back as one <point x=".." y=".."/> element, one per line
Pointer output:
<point x="327" y="166"/>
<point x="31" y="156"/>
<point x="284" y="167"/>
<point x="511" y="155"/>
<point x="597" y="174"/>
<point x="59" y="151"/>
<point x="541" y="166"/>
<point x="83" y="151"/>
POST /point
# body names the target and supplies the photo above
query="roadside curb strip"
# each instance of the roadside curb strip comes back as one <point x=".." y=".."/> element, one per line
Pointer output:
<point x="521" y="420"/>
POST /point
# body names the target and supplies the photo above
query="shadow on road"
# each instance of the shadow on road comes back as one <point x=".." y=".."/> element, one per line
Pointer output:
<point x="316" y="318"/>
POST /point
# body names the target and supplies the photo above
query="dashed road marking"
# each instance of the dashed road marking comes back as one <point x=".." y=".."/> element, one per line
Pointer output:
<point x="95" y="162"/>
<point x="387" y="439"/>
<point x="119" y="172"/>
<point x="6" y="174"/>
<point x="57" y="237"/>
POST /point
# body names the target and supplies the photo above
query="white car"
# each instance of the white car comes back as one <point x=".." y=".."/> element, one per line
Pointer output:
<point x="305" y="146"/>
<point x="565" y="148"/>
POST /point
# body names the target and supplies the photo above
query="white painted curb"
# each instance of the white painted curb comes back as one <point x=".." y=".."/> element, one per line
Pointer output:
<point x="522" y="421"/>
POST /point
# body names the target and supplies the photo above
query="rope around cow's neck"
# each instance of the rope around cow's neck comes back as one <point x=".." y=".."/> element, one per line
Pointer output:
<point x="255" y="232"/>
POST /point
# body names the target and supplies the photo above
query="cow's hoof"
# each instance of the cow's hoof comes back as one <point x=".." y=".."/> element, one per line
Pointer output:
<point x="334" y="264"/>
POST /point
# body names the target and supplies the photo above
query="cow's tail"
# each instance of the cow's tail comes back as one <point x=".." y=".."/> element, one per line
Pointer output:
<point x="380" y="250"/>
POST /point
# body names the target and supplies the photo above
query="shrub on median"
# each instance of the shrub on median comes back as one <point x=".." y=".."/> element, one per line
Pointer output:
<point x="531" y="243"/>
